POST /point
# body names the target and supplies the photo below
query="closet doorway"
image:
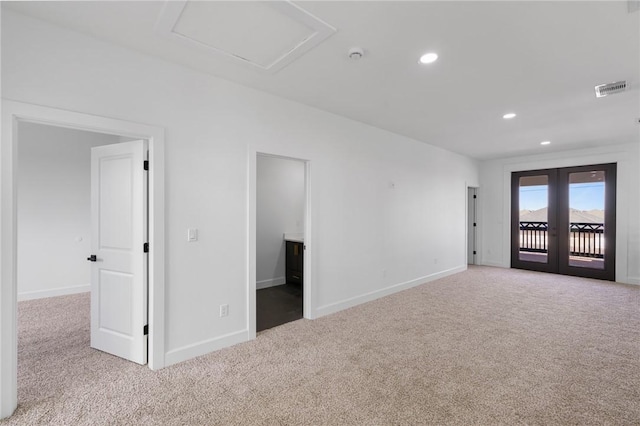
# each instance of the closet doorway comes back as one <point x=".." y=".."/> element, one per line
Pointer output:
<point x="280" y="240"/>
<point x="564" y="220"/>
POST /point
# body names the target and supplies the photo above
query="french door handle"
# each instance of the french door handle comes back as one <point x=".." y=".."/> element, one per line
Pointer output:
<point x="92" y="258"/>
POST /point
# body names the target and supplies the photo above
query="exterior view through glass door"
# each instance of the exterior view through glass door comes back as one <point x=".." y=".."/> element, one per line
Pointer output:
<point x="563" y="220"/>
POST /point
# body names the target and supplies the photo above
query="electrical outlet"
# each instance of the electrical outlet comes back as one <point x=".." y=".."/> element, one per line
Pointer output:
<point x="224" y="310"/>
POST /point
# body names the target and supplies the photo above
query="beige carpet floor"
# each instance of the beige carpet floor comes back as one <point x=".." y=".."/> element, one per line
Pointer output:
<point x="486" y="346"/>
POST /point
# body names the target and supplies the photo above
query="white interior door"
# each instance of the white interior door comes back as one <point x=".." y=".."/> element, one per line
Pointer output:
<point x="119" y="260"/>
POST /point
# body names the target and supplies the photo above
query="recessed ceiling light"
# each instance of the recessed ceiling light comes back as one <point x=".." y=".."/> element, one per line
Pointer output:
<point x="545" y="142"/>
<point x="428" y="58"/>
<point x="509" y="115"/>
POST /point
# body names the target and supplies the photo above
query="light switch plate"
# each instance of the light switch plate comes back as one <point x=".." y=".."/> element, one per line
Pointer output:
<point x="192" y="234"/>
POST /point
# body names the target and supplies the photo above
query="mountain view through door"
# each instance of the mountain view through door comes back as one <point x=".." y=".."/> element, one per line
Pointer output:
<point x="586" y="218"/>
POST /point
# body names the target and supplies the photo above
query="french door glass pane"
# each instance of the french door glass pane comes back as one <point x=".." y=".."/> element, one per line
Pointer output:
<point x="534" y="203"/>
<point x="586" y="219"/>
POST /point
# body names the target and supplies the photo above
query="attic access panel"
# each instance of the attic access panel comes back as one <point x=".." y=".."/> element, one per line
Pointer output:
<point x="263" y="35"/>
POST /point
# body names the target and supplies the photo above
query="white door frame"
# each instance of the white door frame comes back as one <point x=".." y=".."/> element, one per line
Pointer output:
<point x="307" y="294"/>
<point x="12" y="113"/>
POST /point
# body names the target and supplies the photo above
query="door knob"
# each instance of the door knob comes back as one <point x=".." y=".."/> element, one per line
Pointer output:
<point x="92" y="258"/>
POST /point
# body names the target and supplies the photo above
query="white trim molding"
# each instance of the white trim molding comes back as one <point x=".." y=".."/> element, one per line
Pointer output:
<point x="59" y="291"/>
<point x="494" y="264"/>
<point x="14" y="112"/>
<point x="377" y="294"/>
<point x="252" y="284"/>
<point x="272" y="282"/>
<point x="625" y="184"/>
<point x="204" y="347"/>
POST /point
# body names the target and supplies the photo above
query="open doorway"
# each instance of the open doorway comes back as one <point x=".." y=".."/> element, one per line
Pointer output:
<point x="63" y="305"/>
<point x="280" y="240"/>
<point x="82" y="213"/>
<point x="54" y="209"/>
<point x="13" y="115"/>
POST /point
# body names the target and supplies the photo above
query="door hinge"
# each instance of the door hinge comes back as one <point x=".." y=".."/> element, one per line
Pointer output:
<point x="145" y="247"/>
<point x="145" y="329"/>
<point x="146" y="164"/>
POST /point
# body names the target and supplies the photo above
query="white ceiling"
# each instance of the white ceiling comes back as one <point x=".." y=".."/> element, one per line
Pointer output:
<point x="540" y="60"/>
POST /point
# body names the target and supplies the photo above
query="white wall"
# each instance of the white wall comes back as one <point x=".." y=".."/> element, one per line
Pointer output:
<point x="279" y="209"/>
<point x="495" y="202"/>
<point x="387" y="212"/>
<point x="54" y="207"/>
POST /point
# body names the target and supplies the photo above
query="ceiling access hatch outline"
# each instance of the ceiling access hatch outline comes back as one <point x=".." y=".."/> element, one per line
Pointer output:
<point x="271" y="34"/>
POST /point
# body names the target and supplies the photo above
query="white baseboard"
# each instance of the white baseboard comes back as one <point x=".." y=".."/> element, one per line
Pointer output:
<point x="270" y="283"/>
<point x="624" y="280"/>
<point x="368" y="297"/>
<point x="61" y="291"/>
<point x="204" y="347"/>
<point x="494" y="264"/>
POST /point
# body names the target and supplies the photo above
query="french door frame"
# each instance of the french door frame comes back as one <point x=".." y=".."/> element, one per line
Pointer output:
<point x="558" y="219"/>
<point x="551" y="265"/>
<point x="609" y="271"/>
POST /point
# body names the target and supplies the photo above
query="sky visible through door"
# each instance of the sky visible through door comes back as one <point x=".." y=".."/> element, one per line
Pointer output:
<point x="584" y="196"/>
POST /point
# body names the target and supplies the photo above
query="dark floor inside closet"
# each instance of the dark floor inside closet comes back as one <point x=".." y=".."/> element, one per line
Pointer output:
<point x="278" y="305"/>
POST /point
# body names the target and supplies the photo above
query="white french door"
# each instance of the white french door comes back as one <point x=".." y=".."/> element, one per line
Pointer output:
<point x="119" y="250"/>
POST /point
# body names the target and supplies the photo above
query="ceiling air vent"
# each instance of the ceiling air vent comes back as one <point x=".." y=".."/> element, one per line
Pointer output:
<point x="610" y="89"/>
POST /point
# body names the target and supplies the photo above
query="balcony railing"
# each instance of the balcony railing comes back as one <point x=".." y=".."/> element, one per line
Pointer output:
<point x="585" y="239"/>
